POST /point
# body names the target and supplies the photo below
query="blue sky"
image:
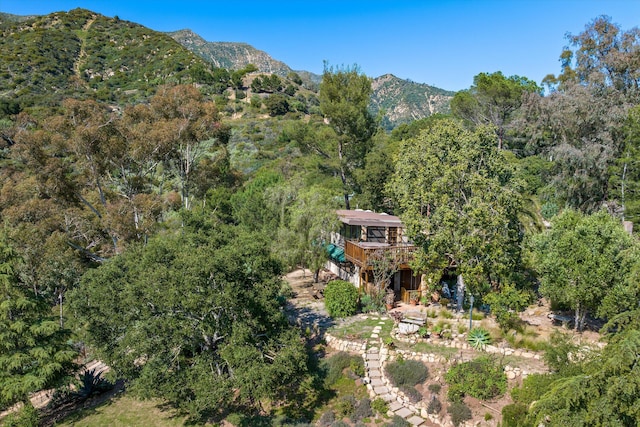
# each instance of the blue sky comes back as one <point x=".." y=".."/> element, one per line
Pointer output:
<point x="442" y="43"/>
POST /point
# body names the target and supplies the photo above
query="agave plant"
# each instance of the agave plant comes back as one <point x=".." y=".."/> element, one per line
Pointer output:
<point x="479" y="338"/>
<point x="91" y="382"/>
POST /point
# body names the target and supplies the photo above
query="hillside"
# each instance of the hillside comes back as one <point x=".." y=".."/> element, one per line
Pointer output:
<point x="229" y="54"/>
<point x="401" y="100"/>
<point x="404" y="101"/>
<point x="83" y="54"/>
<point x="15" y="18"/>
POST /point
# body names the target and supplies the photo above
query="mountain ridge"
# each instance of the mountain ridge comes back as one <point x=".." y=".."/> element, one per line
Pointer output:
<point x="82" y="54"/>
<point x="401" y="100"/>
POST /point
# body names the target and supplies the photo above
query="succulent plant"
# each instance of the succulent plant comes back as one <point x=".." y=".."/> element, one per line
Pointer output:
<point x="479" y="338"/>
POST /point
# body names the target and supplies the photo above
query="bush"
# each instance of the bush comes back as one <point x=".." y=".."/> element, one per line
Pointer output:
<point x="477" y="315"/>
<point x="412" y="394"/>
<point x="506" y="304"/>
<point x="406" y="372"/>
<point x="459" y="413"/>
<point x="370" y="305"/>
<point x="398" y="421"/>
<point x="27" y="416"/>
<point x="380" y="406"/>
<point x="363" y="410"/>
<point x="286" y="290"/>
<point x="341" y="298"/>
<point x="334" y="366"/>
<point x="326" y="419"/>
<point x="481" y="378"/>
<point x="558" y="353"/>
<point x="446" y="314"/>
<point x="345" y="406"/>
<point x="514" y="415"/>
<point x="434" y="406"/>
<point x="356" y="365"/>
<point x="532" y="388"/>
<point x="277" y="105"/>
<point x="434" y="388"/>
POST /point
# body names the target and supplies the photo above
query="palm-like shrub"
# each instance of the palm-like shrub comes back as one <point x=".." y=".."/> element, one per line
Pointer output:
<point x="479" y="338"/>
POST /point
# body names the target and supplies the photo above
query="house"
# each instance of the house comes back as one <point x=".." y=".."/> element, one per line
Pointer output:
<point x="369" y="243"/>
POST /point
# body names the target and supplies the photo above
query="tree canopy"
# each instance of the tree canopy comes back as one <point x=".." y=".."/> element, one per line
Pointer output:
<point x="458" y="202"/>
<point x="194" y="318"/>
<point x="587" y="262"/>
<point x="492" y="100"/>
<point x="344" y="101"/>
<point x="34" y="349"/>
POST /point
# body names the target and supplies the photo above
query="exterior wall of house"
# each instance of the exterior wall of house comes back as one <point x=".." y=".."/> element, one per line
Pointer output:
<point x="345" y="274"/>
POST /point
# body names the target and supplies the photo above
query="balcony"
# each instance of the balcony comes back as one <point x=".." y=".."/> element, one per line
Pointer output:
<point x="359" y="253"/>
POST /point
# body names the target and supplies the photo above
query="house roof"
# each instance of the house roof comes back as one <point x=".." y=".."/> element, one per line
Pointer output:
<point x="368" y="218"/>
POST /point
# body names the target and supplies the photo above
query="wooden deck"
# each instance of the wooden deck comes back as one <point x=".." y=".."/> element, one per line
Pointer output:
<point x="360" y="253"/>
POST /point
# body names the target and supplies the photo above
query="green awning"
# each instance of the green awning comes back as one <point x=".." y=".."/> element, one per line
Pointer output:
<point x="336" y="253"/>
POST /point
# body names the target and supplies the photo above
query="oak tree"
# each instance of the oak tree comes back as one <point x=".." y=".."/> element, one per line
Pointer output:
<point x="586" y="262"/>
<point x="193" y="317"/>
<point x="459" y="204"/>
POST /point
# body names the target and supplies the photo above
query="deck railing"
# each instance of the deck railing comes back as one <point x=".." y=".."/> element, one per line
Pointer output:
<point x="361" y="256"/>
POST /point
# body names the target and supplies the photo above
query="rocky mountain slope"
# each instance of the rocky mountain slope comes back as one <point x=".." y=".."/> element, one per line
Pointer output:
<point x="403" y="101"/>
<point x="83" y="54"/>
<point x="229" y="54"/>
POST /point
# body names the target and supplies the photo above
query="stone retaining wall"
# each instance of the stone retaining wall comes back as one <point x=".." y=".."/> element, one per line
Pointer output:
<point x="378" y="385"/>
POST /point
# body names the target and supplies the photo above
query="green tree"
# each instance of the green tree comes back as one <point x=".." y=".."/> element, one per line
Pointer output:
<point x="506" y="305"/>
<point x="624" y="178"/>
<point x="34" y="349"/>
<point x="295" y="77"/>
<point x="277" y="104"/>
<point x="584" y="261"/>
<point x="458" y="202"/>
<point x="373" y="177"/>
<point x="194" y="318"/>
<point x="603" y="55"/>
<point x="305" y="232"/>
<point x="579" y="125"/>
<point x="605" y="391"/>
<point x="492" y="100"/>
<point x="191" y="125"/>
<point x="344" y="101"/>
<point x="316" y="143"/>
<point x="580" y="130"/>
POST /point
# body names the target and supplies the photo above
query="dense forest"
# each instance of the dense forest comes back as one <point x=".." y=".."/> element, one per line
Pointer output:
<point x="151" y="202"/>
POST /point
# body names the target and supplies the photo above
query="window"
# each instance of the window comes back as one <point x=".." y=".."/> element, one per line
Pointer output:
<point x="376" y="234"/>
<point x="393" y="235"/>
<point x="351" y="232"/>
